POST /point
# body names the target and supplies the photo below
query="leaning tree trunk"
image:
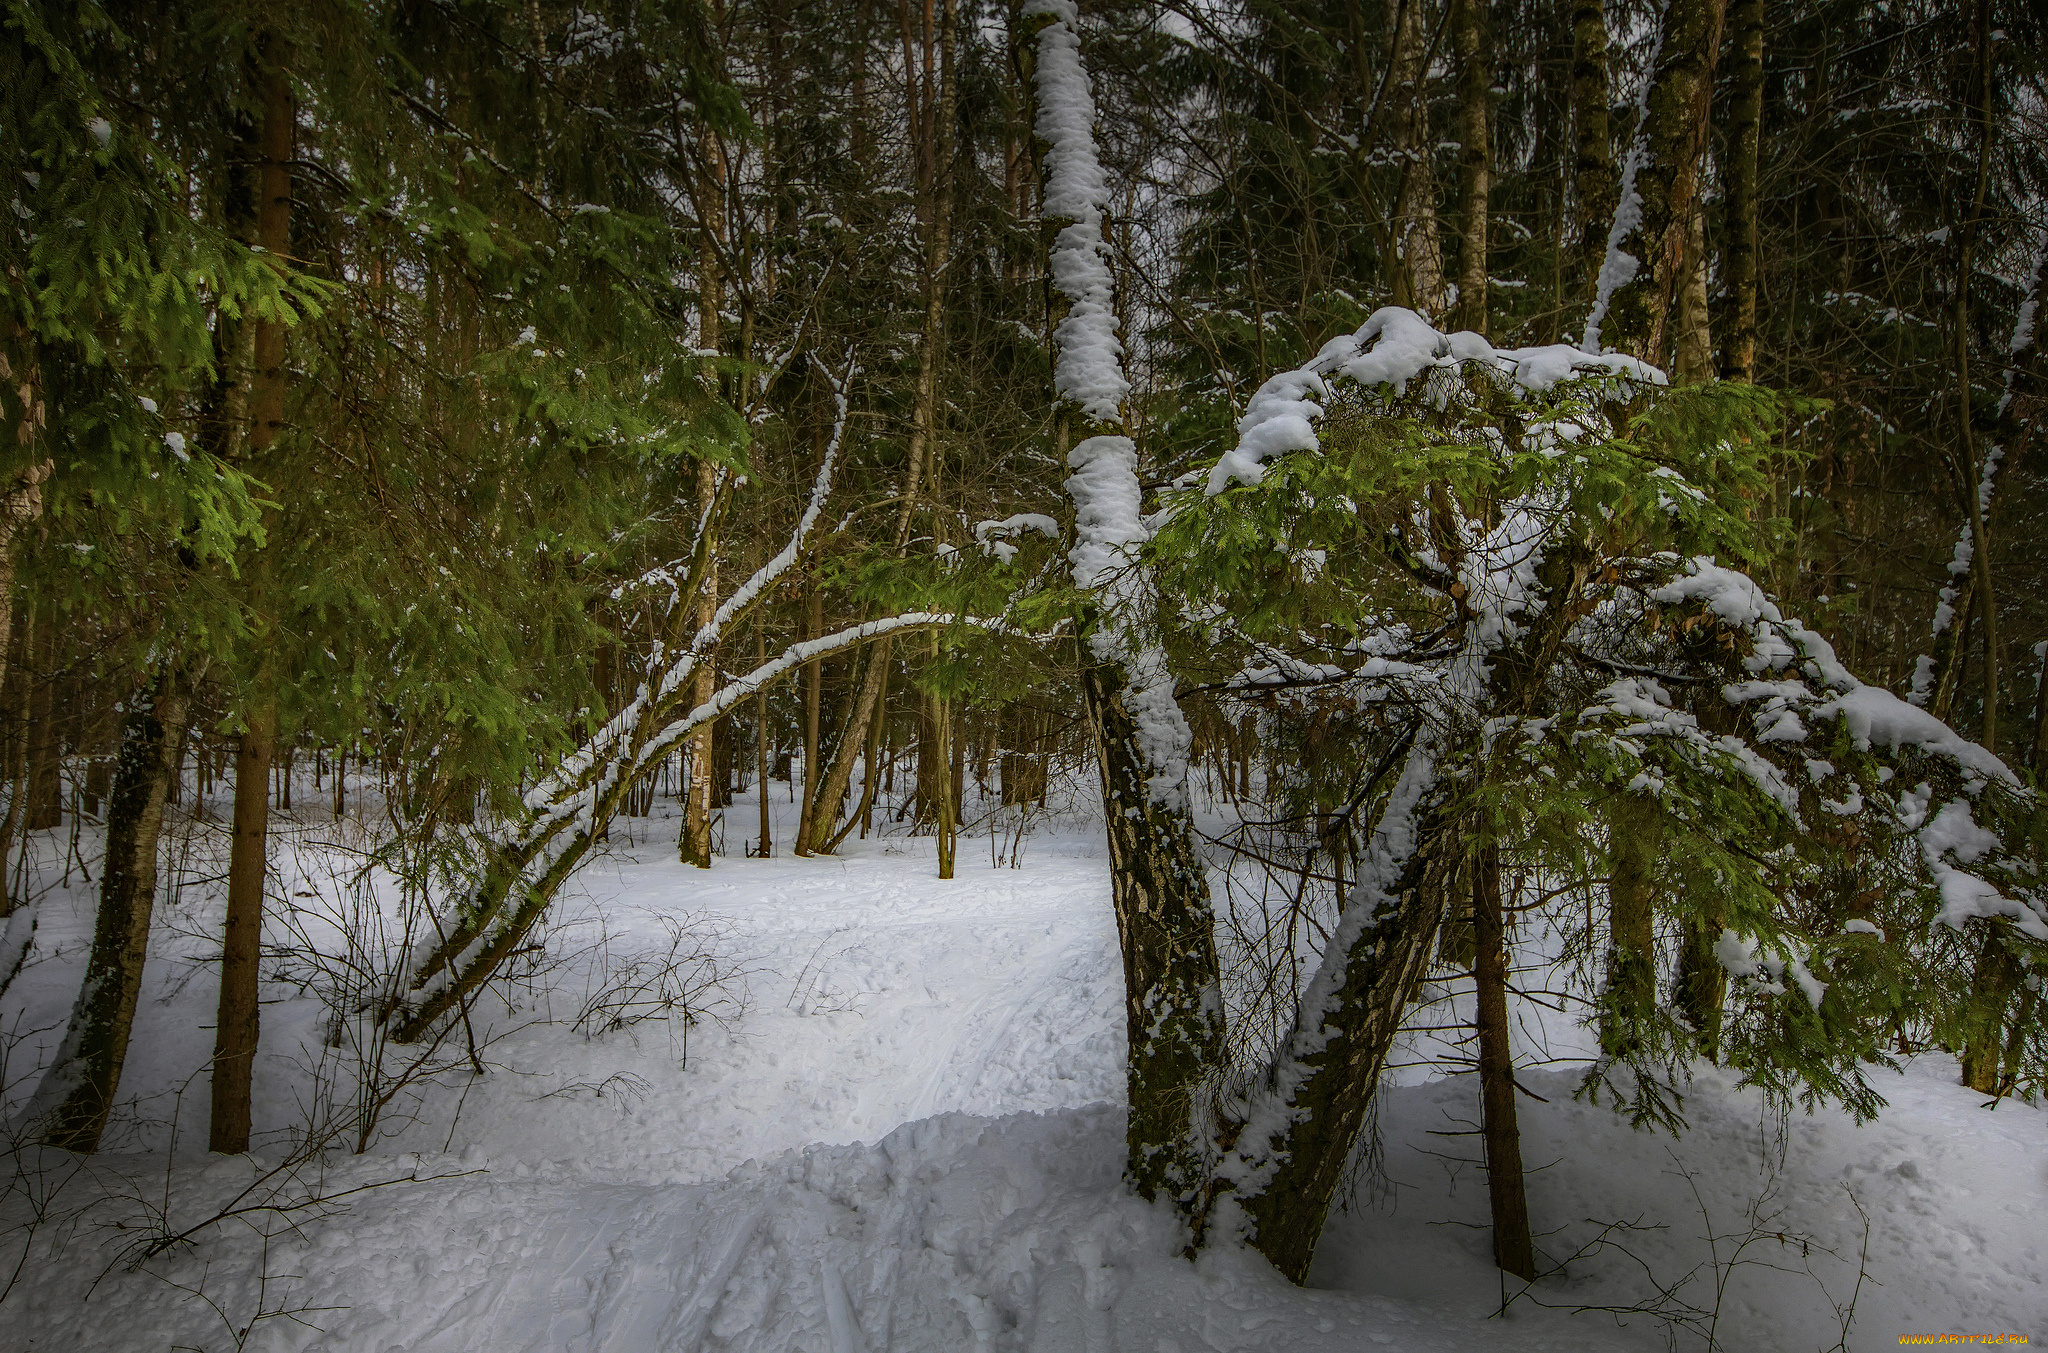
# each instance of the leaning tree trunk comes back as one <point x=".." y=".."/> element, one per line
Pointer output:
<point x="1303" y="1119"/>
<point x="1159" y="884"/>
<point x="71" y="1104"/>
<point x="526" y="863"/>
<point x="1295" y="1146"/>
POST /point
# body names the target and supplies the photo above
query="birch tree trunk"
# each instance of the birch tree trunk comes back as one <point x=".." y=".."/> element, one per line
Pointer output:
<point x="1417" y="268"/>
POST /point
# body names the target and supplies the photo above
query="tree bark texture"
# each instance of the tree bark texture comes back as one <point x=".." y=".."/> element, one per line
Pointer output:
<point x="1641" y="311"/>
<point x="1173" y="1010"/>
<point x="814" y="691"/>
<point x="1513" y="1249"/>
<point x="236" y="1021"/>
<point x="1739" y="251"/>
<point x="1631" y="995"/>
<point x="1475" y="158"/>
<point x="1417" y="268"/>
<point x="21" y="495"/>
<point x="1327" y="1107"/>
<point x="1592" y="144"/>
<point x="1993" y="982"/>
<point x="266" y="191"/>
<point x="71" y="1105"/>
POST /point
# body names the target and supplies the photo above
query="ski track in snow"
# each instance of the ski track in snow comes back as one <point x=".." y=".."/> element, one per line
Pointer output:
<point x="911" y="1141"/>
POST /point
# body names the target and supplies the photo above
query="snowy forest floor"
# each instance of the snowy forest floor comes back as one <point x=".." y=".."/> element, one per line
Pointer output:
<point x="895" y="1125"/>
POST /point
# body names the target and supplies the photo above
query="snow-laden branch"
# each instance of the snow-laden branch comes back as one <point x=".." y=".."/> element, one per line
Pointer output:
<point x="675" y="673"/>
<point x="527" y="862"/>
<point x="1393" y="347"/>
<point x="765" y="576"/>
<point x="1799" y="683"/>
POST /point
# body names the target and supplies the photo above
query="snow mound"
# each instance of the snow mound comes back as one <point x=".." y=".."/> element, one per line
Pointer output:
<point x="951" y="1233"/>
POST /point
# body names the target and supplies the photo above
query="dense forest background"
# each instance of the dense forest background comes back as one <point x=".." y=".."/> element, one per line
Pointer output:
<point x="399" y="387"/>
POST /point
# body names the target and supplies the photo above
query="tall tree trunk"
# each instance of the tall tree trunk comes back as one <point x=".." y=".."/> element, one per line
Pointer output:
<point x="814" y="680"/>
<point x="1475" y="158"/>
<point x="43" y="782"/>
<point x="1974" y="471"/>
<point x="1417" y="268"/>
<point x="1159" y="884"/>
<point x="236" y="1022"/>
<point x="1593" y="147"/>
<point x="1996" y="977"/>
<point x="1631" y="995"/>
<point x="694" y="844"/>
<point x="1513" y="1249"/>
<point x="21" y="495"/>
<point x="1159" y="889"/>
<point x="946" y="826"/>
<point x="268" y="196"/>
<point x="71" y="1104"/>
<point x="1649" y="264"/>
<point x="1739" y="252"/>
<point x="767" y="846"/>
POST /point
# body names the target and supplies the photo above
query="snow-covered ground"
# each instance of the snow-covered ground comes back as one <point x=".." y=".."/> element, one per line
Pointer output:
<point x="901" y="1132"/>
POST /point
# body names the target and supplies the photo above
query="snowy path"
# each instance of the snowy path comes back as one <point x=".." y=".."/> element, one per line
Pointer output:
<point x="730" y="1203"/>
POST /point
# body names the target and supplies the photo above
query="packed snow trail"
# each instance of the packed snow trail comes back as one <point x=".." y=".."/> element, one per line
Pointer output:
<point x="806" y="1180"/>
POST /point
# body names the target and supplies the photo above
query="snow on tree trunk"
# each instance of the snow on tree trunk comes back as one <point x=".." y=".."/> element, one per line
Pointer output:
<point x="1159" y="884"/>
